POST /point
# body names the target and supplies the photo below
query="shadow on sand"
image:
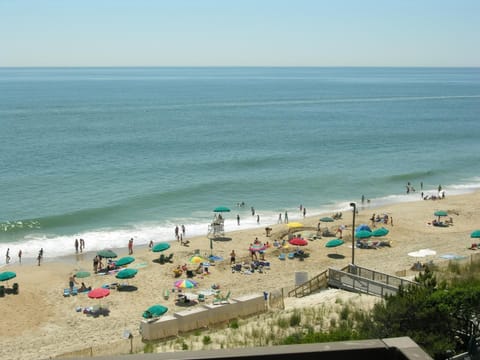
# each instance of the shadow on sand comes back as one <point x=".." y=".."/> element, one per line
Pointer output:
<point x="336" y="256"/>
<point x="128" y="288"/>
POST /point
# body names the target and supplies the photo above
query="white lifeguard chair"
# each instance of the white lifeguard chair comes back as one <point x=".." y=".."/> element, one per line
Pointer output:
<point x="216" y="228"/>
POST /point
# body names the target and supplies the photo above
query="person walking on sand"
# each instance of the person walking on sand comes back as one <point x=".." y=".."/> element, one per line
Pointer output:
<point x="40" y="256"/>
<point x="183" y="230"/>
<point x="82" y="245"/>
<point x="176" y="233"/>
<point x="279" y="219"/>
<point x="232" y="257"/>
<point x="76" y="246"/>
<point x="20" y="256"/>
<point x="7" y="256"/>
<point x="238" y="219"/>
<point x="258" y="219"/>
<point x="304" y="212"/>
<point x="285" y="218"/>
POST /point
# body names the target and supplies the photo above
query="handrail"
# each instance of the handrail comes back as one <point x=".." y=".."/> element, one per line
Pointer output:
<point x="310" y="285"/>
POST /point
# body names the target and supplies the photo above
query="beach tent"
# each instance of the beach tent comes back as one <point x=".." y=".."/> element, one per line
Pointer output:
<point x="363" y="227"/>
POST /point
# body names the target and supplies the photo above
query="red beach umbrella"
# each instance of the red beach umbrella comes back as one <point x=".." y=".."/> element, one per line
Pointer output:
<point x="98" y="293"/>
<point x="298" y="241"/>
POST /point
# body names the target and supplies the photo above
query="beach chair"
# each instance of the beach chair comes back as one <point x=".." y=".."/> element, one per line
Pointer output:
<point x="66" y="292"/>
<point x="291" y="256"/>
<point x="281" y="256"/>
<point x="169" y="258"/>
<point x="201" y="297"/>
<point x="166" y="294"/>
<point x="15" y="288"/>
<point x="74" y="291"/>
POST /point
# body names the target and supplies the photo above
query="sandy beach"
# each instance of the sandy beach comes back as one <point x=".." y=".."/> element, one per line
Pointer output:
<point x="40" y="322"/>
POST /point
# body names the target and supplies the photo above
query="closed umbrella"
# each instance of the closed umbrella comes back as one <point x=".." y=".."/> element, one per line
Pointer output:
<point x="162" y="246"/>
<point x="125" y="261"/>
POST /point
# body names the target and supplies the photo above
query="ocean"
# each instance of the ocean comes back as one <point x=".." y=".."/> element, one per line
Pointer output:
<point x="106" y="154"/>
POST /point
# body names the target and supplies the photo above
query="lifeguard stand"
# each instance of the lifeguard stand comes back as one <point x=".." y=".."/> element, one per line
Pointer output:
<point x="216" y="228"/>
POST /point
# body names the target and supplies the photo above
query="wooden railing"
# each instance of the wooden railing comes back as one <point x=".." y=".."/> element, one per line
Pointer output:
<point x="318" y="282"/>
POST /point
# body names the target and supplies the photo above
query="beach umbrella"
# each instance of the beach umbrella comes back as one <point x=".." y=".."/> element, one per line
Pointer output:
<point x="334" y="243"/>
<point x="106" y="254"/>
<point x="7" y="275"/>
<point x="185" y="284"/>
<point x="162" y="246"/>
<point x="215" y="258"/>
<point x="155" y="311"/>
<point x="98" y="293"/>
<point x="294" y="225"/>
<point x="326" y="219"/>
<point x="195" y="259"/>
<point x="363" y="227"/>
<point x="363" y="234"/>
<point x="221" y="209"/>
<point x="82" y="274"/>
<point x="124" y="261"/>
<point x="298" y="241"/>
<point x="126" y="273"/>
<point x="380" y="232"/>
<point x="440" y="213"/>
<point x="475" y="234"/>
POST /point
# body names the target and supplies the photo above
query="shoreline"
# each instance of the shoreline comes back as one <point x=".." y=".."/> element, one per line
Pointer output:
<point x="49" y="320"/>
<point x="142" y="235"/>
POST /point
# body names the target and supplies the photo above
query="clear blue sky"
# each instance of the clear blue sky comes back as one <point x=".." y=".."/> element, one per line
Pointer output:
<point x="240" y="33"/>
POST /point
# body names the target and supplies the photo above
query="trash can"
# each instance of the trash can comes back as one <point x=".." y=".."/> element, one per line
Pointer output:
<point x="2" y="291"/>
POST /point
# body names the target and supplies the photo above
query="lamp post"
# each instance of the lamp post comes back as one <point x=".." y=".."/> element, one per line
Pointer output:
<point x="353" y="231"/>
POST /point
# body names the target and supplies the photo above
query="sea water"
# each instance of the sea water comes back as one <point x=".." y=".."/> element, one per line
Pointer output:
<point x="106" y="154"/>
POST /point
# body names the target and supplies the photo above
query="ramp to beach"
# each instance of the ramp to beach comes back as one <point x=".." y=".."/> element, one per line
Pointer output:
<point x="355" y="279"/>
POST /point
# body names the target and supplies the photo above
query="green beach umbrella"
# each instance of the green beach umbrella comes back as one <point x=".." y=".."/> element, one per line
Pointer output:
<point x="7" y="275"/>
<point x="106" y="254"/>
<point x="363" y="234"/>
<point x="475" y="234"/>
<point x="440" y="213"/>
<point x="154" y="311"/>
<point x="161" y="247"/>
<point x="221" y="209"/>
<point x="125" y="261"/>
<point x="82" y="274"/>
<point x="326" y="219"/>
<point x="334" y="243"/>
<point x="380" y="232"/>
<point x="126" y="274"/>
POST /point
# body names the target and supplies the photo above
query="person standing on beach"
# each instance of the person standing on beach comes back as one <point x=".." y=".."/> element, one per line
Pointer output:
<point x="253" y="211"/>
<point x="7" y="256"/>
<point x="232" y="257"/>
<point x="258" y="219"/>
<point x="82" y="245"/>
<point x="76" y="246"/>
<point x="238" y="219"/>
<point x="20" y="256"/>
<point x="280" y="218"/>
<point x="304" y="212"/>
<point x="40" y="256"/>
<point x="286" y="217"/>
<point x="72" y="281"/>
<point x="183" y="230"/>
<point x="130" y="246"/>
<point x="176" y="233"/>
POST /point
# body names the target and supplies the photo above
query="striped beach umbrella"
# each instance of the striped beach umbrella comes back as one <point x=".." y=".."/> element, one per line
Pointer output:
<point x="185" y="284"/>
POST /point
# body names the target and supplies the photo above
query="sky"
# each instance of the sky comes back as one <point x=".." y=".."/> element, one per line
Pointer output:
<point x="239" y="33"/>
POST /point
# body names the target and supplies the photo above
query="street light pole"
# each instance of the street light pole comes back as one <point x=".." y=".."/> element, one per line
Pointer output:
<point x="353" y="232"/>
